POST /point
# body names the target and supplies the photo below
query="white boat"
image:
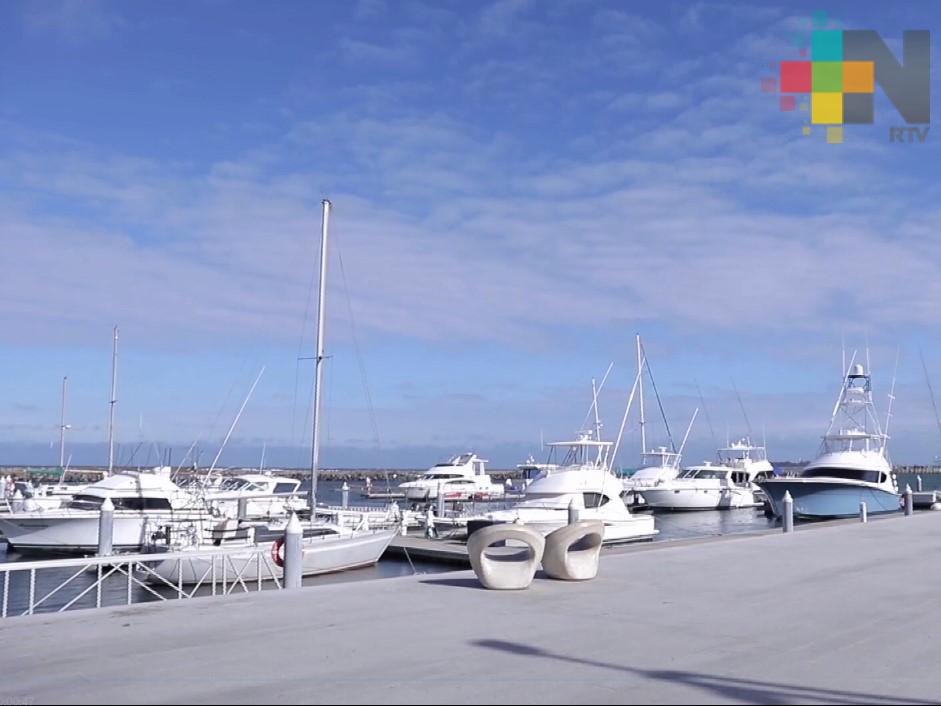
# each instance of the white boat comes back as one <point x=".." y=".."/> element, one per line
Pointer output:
<point x="326" y="546"/>
<point x="658" y="465"/>
<point x="259" y="494"/>
<point x="852" y="466"/>
<point x="581" y="481"/>
<point x="144" y="504"/>
<point x="462" y="477"/>
<point x="730" y="484"/>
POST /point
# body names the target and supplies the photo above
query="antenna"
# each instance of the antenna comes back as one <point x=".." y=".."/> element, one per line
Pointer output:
<point x="594" y="404"/>
<point x="686" y="436"/>
<point x="934" y="404"/>
<point x="234" y="422"/>
<point x="888" y="415"/>
<point x="594" y="397"/>
<point x="836" y="405"/>
<point x="742" y="407"/>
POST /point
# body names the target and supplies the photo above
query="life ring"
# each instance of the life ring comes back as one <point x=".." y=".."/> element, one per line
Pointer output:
<point x="276" y="552"/>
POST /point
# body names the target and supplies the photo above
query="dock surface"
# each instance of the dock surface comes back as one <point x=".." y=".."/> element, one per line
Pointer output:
<point x="829" y="615"/>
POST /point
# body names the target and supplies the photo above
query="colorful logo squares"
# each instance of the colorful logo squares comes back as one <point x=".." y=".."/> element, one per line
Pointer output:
<point x="840" y="91"/>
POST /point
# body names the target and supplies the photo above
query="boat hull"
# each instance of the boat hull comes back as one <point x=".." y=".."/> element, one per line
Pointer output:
<point x="823" y="499"/>
<point x="633" y="529"/>
<point x="77" y="532"/>
<point x="321" y="555"/>
<point x="699" y="498"/>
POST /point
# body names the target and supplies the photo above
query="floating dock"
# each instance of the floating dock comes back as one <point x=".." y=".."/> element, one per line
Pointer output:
<point x="831" y="614"/>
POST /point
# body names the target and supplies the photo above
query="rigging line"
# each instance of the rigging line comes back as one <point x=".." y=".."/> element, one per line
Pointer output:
<point x="593" y="407"/>
<point x="934" y="404"/>
<point x="364" y="379"/>
<point x="705" y="411"/>
<point x="742" y="407"/>
<point x="656" y="393"/>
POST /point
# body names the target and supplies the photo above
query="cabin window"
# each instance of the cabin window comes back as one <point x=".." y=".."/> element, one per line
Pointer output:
<point x="594" y="499"/>
<point x="282" y="488"/>
<point x="844" y="473"/>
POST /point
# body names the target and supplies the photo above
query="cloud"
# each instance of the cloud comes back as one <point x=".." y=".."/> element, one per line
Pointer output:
<point x="73" y="21"/>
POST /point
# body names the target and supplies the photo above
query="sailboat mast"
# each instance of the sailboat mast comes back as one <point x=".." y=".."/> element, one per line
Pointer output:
<point x="319" y="358"/>
<point x="62" y="427"/>
<point x="114" y="392"/>
<point x="640" y="398"/>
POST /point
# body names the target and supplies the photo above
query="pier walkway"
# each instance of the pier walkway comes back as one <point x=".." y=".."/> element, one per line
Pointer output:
<point x="837" y="614"/>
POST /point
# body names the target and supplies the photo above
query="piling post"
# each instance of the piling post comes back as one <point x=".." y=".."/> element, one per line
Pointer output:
<point x="788" y="515"/>
<point x="918" y="483"/>
<point x="345" y="495"/>
<point x="106" y="528"/>
<point x="909" y="501"/>
<point x="440" y="503"/>
<point x="243" y="509"/>
<point x="573" y="512"/>
<point x="293" y="554"/>
<point x="863" y="513"/>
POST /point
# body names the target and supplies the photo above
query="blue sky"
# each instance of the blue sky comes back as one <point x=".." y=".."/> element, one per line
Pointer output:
<point x="518" y="188"/>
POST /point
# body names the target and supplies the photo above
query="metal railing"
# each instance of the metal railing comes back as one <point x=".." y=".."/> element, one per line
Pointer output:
<point x="58" y="585"/>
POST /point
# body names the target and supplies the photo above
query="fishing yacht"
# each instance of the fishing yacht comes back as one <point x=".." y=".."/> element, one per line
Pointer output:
<point x="462" y="477"/>
<point x="144" y="503"/>
<point x="729" y="484"/>
<point x="259" y="494"/>
<point x="852" y="465"/>
<point x="581" y="480"/>
<point x="658" y="465"/>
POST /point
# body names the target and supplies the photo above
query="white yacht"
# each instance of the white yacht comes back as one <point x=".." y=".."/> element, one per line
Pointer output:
<point x="144" y="503"/>
<point x="261" y="495"/>
<point x="462" y="477"/>
<point x="583" y="481"/>
<point x="658" y="465"/>
<point x="729" y="484"/>
<point x="852" y="466"/>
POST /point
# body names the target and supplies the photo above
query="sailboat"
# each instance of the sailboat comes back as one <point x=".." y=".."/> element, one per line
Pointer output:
<point x="852" y="465"/>
<point x="326" y="546"/>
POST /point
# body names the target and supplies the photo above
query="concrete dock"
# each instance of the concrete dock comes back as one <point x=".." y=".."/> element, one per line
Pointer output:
<point x="837" y="614"/>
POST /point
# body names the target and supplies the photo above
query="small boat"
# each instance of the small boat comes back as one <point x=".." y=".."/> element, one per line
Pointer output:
<point x="728" y="485"/>
<point x="583" y="482"/>
<point x="852" y="466"/>
<point x="462" y="477"/>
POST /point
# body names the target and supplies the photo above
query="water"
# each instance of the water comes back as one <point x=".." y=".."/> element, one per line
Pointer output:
<point x="114" y="589"/>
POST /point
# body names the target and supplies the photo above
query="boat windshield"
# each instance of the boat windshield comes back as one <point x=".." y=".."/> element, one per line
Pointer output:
<point x="845" y="474"/>
<point x="709" y="473"/>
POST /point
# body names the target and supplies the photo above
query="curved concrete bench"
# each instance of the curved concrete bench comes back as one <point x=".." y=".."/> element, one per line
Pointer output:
<point x="573" y="552"/>
<point x="505" y="568"/>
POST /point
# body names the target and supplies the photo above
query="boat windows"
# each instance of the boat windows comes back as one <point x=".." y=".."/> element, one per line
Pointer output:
<point x="93" y="502"/>
<point x="706" y="473"/>
<point x="844" y="474"/>
<point x="283" y="488"/>
<point x="595" y="499"/>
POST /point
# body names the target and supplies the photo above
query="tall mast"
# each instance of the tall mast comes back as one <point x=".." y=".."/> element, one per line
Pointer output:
<point x="62" y="425"/>
<point x="640" y="398"/>
<point x="114" y="401"/>
<point x="319" y="358"/>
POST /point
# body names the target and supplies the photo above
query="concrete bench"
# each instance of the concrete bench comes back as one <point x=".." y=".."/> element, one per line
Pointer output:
<point x="505" y="567"/>
<point x="572" y="552"/>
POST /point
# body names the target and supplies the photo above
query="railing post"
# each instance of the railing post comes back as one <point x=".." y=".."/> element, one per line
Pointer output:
<point x="345" y="495"/>
<point x="863" y="515"/>
<point x="293" y="554"/>
<point x="909" y="501"/>
<point x="788" y="515"/>
<point x="106" y="528"/>
<point x="573" y="513"/>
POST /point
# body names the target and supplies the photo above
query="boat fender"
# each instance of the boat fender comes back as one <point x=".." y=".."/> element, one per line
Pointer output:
<point x="276" y="552"/>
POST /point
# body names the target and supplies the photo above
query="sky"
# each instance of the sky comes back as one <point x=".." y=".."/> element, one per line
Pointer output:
<point x="518" y="189"/>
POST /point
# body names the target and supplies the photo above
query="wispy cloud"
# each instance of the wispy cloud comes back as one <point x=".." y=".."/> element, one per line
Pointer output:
<point x="73" y="21"/>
